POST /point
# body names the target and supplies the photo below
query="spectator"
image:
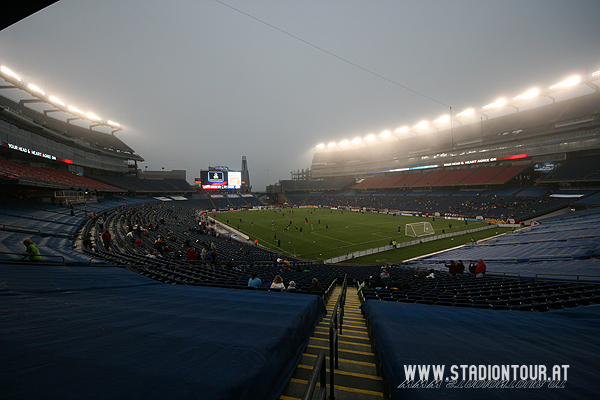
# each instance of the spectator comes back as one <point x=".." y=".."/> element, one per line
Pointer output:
<point x="472" y="268"/>
<point x="255" y="281"/>
<point x="106" y="239"/>
<point x="461" y="267"/>
<point x="31" y="251"/>
<point x="267" y="283"/>
<point x="316" y="286"/>
<point x="431" y="274"/>
<point x="87" y="243"/>
<point x="278" y="283"/>
<point x="480" y="269"/>
<point x="377" y="282"/>
<point x="452" y="268"/>
<point x="191" y="253"/>
<point x="153" y="254"/>
<point x="291" y="287"/>
<point x="384" y="274"/>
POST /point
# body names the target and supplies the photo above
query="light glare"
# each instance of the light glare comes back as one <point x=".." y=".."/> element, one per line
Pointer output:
<point x="332" y="144"/>
<point x="404" y="129"/>
<point x="113" y="123"/>
<point x="92" y="116"/>
<point x="55" y="100"/>
<point x="370" y="138"/>
<point x="529" y="95"/>
<point x="574" y="80"/>
<point x="421" y="125"/>
<point x="496" y="104"/>
<point x="76" y="110"/>
<point x="344" y="143"/>
<point x="36" y="89"/>
<point x="320" y="146"/>
<point x="9" y="72"/>
<point x="356" y="140"/>
<point x="466" y="113"/>
<point x="442" y="119"/>
<point x="385" y="134"/>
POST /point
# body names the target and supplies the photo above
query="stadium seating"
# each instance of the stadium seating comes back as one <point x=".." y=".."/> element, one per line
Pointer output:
<point x="54" y="177"/>
<point x="579" y="169"/>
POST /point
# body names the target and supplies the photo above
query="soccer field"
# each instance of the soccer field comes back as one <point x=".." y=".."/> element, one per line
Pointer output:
<point x="319" y="234"/>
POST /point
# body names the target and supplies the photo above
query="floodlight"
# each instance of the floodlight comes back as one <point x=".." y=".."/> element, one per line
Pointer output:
<point x="442" y="119"/>
<point x="385" y="134"/>
<point x="55" y="100"/>
<point x="344" y="143"/>
<point x="596" y="73"/>
<point x="332" y="144"/>
<point x="10" y="73"/>
<point x="356" y="140"/>
<point x="320" y="146"/>
<point x="529" y="95"/>
<point x="92" y="116"/>
<point x="113" y="123"/>
<point x="76" y="110"/>
<point x="421" y="125"/>
<point x="466" y="113"/>
<point x="370" y="138"/>
<point x="404" y="129"/>
<point x="574" y="80"/>
<point x="36" y="89"/>
<point x="498" y="103"/>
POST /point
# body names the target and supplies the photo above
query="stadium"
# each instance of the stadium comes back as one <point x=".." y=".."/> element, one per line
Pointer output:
<point x="139" y="285"/>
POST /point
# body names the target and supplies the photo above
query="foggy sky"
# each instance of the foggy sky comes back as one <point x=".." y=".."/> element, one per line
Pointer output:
<point x="197" y="83"/>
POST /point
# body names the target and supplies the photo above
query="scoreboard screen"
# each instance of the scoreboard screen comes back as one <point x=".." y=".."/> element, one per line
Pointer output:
<point x="213" y="179"/>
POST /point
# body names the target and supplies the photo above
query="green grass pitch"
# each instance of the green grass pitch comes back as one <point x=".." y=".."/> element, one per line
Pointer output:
<point x="319" y="234"/>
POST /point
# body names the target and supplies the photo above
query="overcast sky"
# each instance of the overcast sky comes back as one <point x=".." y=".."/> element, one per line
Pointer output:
<point x="198" y="83"/>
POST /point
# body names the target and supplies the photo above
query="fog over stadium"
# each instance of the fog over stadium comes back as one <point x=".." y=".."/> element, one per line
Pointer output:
<point x="199" y="83"/>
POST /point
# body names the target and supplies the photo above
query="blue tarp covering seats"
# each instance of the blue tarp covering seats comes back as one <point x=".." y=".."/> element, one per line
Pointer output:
<point x="87" y="333"/>
<point x="416" y="334"/>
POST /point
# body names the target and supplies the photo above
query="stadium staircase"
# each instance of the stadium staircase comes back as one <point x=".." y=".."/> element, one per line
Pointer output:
<point x="357" y="376"/>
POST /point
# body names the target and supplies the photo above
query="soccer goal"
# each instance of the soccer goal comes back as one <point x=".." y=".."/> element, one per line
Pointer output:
<point x="418" y="229"/>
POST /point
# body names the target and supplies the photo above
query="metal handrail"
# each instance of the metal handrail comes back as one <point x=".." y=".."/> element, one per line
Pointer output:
<point x="319" y="368"/>
<point x="579" y="275"/>
<point x="335" y="325"/>
<point x="37" y="262"/>
<point x="319" y="371"/>
<point x="504" y="274"/>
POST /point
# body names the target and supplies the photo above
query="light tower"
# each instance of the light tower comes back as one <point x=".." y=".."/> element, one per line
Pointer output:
<point x="246" y="187"/>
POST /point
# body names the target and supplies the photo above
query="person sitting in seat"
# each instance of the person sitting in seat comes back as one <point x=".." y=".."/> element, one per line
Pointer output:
<point x="316" y="286"/>
<point x="255" y="281"/>
<point x="291" y="287"/>
<point x="278" y="283"/>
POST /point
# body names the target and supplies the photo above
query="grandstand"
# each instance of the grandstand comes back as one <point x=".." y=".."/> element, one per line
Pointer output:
<point x="158" y="324"/>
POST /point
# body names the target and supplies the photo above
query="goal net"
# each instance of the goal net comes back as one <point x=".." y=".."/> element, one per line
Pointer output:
<point x="418" y="229"/>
